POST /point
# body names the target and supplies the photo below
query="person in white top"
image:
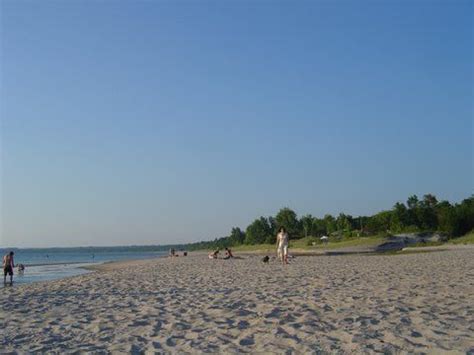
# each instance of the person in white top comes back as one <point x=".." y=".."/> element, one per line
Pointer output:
<point x="282" y="245"/>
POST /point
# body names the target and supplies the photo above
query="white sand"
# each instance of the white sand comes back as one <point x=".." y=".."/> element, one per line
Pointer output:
<point x="415" y="303"/>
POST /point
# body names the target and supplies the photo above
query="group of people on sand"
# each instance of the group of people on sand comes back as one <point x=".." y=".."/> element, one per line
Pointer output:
<point x="282" y="248"/>
<point x="173" y="253"/>
<point x="227" y="254"/>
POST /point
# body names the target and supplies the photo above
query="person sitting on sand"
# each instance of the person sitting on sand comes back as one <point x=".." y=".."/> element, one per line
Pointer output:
<point x="228" y="254"/>
<point x="214" y="255"/>
<point x="282" y="245"/>
<point x="8" y="265"/>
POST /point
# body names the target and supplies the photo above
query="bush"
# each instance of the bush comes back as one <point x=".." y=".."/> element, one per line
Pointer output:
<point x="312" y="240"/>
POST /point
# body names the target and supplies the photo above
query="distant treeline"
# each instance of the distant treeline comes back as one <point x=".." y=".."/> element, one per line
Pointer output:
<point x="427" y="214"/>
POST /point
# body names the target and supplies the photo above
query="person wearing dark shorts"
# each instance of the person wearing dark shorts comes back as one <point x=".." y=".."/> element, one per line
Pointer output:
<point x="8" y="266"/>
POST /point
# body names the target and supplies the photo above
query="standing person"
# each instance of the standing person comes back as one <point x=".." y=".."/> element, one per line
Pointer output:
<point x="8" y="265"/>
<point x="282" y="245"/>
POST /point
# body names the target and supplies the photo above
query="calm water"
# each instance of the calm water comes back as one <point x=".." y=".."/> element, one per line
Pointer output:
<point x="54" y="263"/>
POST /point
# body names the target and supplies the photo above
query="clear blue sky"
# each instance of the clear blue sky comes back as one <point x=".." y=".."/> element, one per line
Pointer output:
<point x="147" y="122"/>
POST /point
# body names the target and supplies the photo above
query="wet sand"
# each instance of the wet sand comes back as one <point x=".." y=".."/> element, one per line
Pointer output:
<point x="349" y="303"/>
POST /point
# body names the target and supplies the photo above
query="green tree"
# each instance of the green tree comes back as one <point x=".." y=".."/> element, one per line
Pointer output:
<point x="258" y="231"/>
<point x="446" y="216"/>
<point x="430" y="200"/>
<point x="319" y="227"/>
<point x="413" y="206"/>
<point x="363" y="222"/>
<point x="426" y="214"/>
<point x="307" y="224"/>
<point x="400" y="218"/>
<point x="412" y="202"/>
<point x="330" y="223"/>
<point x="380" y="222"/>
<point x="287" y="218"/>
<point x="237" y="236"/>
<point x="464" y="216"/>
<point x="344" y="222"/>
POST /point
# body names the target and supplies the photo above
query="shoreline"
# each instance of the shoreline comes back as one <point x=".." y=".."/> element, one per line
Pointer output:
<point x="74" y="269"/>
<point x="295" y="252"/>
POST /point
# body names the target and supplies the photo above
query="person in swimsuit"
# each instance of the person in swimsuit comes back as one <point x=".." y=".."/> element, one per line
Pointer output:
<point x="8" y="265"/>
<point x="282" y="245"/>
<point x="228" y="254"/>
<point x="214" y="255"/>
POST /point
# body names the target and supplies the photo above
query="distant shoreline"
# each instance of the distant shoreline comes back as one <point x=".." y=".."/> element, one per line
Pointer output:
<point x="59" y="265"/>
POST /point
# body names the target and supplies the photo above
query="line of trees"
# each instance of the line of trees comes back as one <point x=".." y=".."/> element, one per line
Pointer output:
<point x="417" y="215"/>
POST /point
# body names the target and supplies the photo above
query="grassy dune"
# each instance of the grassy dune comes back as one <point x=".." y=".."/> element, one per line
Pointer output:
<point x="467" y="239"/>
<point x="302" y="244"/>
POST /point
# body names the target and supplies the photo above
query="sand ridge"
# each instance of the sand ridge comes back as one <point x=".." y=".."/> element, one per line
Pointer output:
<point x="338" y="304"/>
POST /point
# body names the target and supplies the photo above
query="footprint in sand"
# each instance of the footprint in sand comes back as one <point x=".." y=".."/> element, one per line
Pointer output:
<point x="156" y="345"/>
<point x="247" y="341"/>
<point x="243" y="324"/>
<point x="181" y="326"/>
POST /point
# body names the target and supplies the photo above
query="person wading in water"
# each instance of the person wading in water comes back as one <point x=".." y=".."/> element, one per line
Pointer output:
<point x="8" y="266"/>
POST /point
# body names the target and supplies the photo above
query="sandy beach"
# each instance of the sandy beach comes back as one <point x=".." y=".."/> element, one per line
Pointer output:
<point x="419" y="302"/>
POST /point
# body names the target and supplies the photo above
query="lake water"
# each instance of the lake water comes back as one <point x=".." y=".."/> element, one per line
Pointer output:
<point x="56" y="263"/>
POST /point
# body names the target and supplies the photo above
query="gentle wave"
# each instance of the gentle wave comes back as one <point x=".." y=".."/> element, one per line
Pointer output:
<point x="60" y="263"/>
